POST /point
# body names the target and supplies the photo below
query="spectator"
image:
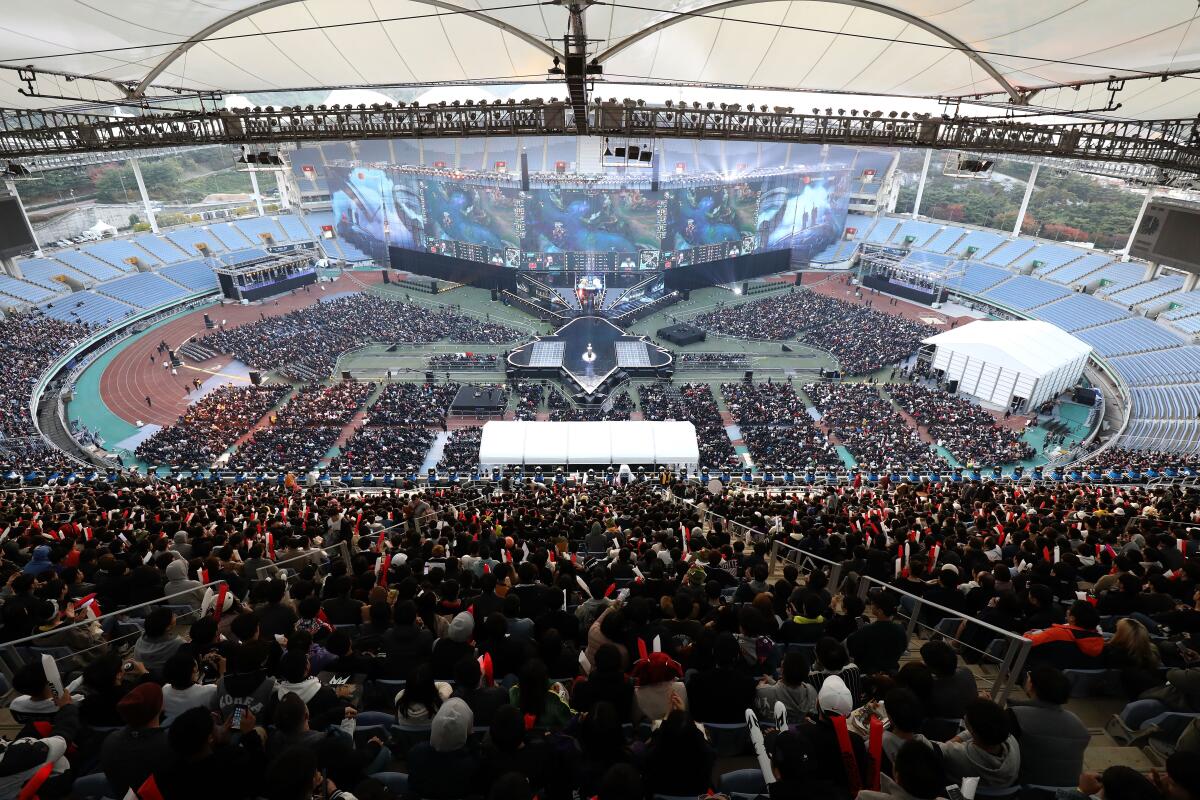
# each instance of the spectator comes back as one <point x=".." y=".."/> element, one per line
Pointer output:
<point x="445" y="767"/>
<point x="1052" y="740"/>
<point x="987" y="750"/>
<point x="131" y="754"/>
<point x="878" y="646"/>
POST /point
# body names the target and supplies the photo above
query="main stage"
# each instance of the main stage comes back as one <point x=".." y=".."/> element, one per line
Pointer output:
<point x="589" y="351"/>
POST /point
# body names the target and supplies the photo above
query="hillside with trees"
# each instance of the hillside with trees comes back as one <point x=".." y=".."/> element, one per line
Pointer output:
<point x="1065" y="206"/>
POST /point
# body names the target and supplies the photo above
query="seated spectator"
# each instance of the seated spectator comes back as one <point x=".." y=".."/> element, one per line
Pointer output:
<point x="657" y="679"/>
<point x="158" y="642"/>
<point x="418" y="702"/>
<point x="538" y="700"/>
<point x="484" y="700"/>
<point x="679" y="760"/>
<point x="510" y="748"/>
<point x="1115" y="783"/>
<point x="1052" y="740"/>
<point x="446" y="652"/>
<point x="832" y="659"/>
<point x="129" y="755"/>
<point x="1131" y="651"/>
<point x="906" y="713"/>
<point x="953" y="686"/>
<point x="105" y="682"/>
<point x="446" y="766"/>
<point x="878" y="646"/>
<point x="1075" y="645"/>
<point x="183" y="689"/>
<point x="24" y="758"/>
<point x="987" y="750"/>
<point x="723" y="692"/>
<point x="807" y="622"/>
<point x="917" y="775"/>
<point x="324" y="707"/>
<point x="798" y="696"/>
<point x="845" y="771"/>
<point x="606" y="683"/>
<point x="178" y="581"/>
<point x="335" y="750"/>
<point x="35" y="696"/>
<point x="203" y="767"/>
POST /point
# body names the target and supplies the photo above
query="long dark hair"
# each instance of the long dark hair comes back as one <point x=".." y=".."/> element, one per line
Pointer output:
<point x="533" y="685"/>
<point x="420" y="690"/>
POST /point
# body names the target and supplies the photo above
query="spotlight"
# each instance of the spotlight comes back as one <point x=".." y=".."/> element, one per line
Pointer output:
<point x="556" y="69"/>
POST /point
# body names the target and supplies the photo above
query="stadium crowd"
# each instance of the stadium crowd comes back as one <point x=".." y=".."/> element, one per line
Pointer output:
<point x="866" y="424"/>
<point x="777" y="428"/>
<point x="694" y="403"/>
<point x="303" y="431"/>
<point x="461" y="453"/>
<point x="862" y="340"/>
<point x="578" y="641"/>
<point x="305" y="344"/>
<point x="1123" y="458"/>
<point x="31" y="343"/>
<point x="962" y="427"/>
<point x="210" y="426"/>
<point x="530" y="397"/>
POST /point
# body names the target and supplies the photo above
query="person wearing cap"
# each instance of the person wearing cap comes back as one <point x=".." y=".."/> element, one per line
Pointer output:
<point x="986" y="750"/>
<point x="877" y="647"/>
<point x="445" y="767"/>
<point x="657" y="677"/>
<point x="129" y="755"/>
<point x="821" y="739"/>
<point x="25" y="756"/>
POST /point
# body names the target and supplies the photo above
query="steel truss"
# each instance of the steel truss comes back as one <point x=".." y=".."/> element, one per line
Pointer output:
<point x="1172" y="147"/>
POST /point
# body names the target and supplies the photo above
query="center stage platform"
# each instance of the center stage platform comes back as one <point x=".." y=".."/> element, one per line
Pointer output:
<point x="589" y="350"/>
<point x="681" y="334"/>
<point x="479" y="401"/>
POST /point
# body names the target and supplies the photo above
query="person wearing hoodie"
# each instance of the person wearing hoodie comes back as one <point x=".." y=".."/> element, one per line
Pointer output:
<point x="798" y="696"/>
<point x="178" y="582"/>
<point x="987" y="750"/>
<point x="158" y="642"/>
<point x="181" y="545"/>
<point x="447" y="651"/>
<point x="821" y="739"/>
<point x="39" y="563"/>
<point x="445" y="767"/>
<point x="324" y="706"/>
<point x="246" y="682"/>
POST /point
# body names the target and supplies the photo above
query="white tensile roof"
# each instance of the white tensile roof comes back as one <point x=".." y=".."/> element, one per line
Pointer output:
<point x="912" y="48"/>
<point x="588" y="443"/>
<point x="1028" y="346"/>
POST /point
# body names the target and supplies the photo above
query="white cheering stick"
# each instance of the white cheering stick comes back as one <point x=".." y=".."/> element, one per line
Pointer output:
<point x="52" y="675"/>
<point x="583" y="585"/>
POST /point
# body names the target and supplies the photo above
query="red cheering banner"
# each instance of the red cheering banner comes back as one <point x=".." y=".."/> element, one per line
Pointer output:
<point x="501" y="166"/>
<point x="439" y="165"/>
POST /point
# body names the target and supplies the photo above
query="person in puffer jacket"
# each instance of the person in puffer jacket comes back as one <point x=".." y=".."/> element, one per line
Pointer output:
<point x="41" y="758"/>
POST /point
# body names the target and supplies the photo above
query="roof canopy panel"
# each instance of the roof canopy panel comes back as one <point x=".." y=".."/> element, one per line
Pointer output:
<point x="1029" y="346"/>
<point x="906" y="47"/>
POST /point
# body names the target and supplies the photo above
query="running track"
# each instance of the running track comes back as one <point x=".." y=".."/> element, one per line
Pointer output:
<point x="137" y="373"/>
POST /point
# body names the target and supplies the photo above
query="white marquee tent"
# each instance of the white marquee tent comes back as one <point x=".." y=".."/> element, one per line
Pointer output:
<point x="513" y="443"/>
<point x="995" y="361"/>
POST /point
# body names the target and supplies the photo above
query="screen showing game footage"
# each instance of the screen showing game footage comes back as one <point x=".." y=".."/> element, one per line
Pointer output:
<point x="579" y="227"/>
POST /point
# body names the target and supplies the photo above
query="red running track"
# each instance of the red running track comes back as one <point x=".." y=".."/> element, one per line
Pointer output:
<point x="137" y="372"/>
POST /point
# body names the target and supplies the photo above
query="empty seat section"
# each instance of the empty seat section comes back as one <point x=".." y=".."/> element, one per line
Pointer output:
<point x="882" y="231"/>
<point x="1160" y="367"/>
<point x="977" y="278"/>
<point x="161" y="248"/>
<point x="230" y="236"/>
<point x="88" y="265"/>
<point x="1144" y="292"/>
<point x="1183" y="304"/>
<point x="921" y="233"/>
<point x="24" y="290"/>
<point x="1134" y="335"/>
<point x="1189" y="325"/>
<point x="195" y="275"/>
<point x="89" y="308"/>
<point x="254" y="229"/>
<point x="46" y="272"/>
<point x="977" y="244"/>
<point x="144" y="290"/>
<point x="1048" y="257"/>
<point x="118" y="252"/>
<point x="294" y="228"/>
<point x="1117" y="276"/>
<point x="1007" y="253"/>
<point x="352" y="252"/>
<point x="1023" y="292"/>
<point x="1078" y="311"/>
<point x="859" y="223"/>
<point x="1078" y="269"/>
<point x="315" y="221"/>
<point x="189" y="238"/>
<point x="948" y="236"/>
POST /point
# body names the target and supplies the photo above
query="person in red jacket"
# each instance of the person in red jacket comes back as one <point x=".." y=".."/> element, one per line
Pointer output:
<point x="1076" y="645"/>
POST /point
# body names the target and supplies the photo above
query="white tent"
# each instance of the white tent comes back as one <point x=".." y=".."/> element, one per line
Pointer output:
<point x="513" y="443"/>
<point x="995" y="361"/>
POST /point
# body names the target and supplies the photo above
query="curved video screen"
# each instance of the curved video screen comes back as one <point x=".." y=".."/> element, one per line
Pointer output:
<point x="587" y="224"/>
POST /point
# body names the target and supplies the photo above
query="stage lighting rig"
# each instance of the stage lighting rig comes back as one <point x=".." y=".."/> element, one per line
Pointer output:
<point x="18" y="172"/>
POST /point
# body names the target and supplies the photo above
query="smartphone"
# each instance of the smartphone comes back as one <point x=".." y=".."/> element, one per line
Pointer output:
<point x="236" y="720"/>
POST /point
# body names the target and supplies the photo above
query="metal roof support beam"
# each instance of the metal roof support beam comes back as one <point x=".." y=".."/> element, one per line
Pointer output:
<point x="1014" y="94"/>
<point x="267" y="5"/>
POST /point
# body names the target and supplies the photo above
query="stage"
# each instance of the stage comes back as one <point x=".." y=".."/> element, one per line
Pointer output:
<point x="681" y="334"/>
<point x="589" y="350"/>
<point x="479" y="401"/>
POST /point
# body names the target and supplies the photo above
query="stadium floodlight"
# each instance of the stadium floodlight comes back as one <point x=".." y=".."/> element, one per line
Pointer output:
<point x="556" y="69"/>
